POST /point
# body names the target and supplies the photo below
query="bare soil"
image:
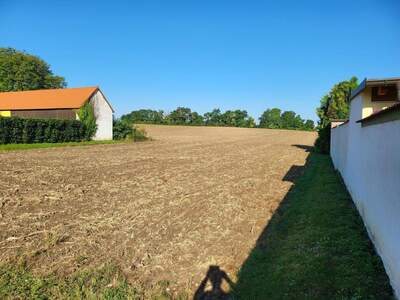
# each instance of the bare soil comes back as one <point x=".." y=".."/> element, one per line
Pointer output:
<point x="162" y="210"/>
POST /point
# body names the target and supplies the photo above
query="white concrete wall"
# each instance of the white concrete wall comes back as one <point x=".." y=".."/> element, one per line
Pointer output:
<point x="104" y="117"/>
<point x="339" y="136"/>
<point x="368" y="159"/>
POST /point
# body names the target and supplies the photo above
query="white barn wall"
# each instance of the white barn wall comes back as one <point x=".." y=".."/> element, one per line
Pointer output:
<point x="369" y="162"/>
<point x="104" y="117"/>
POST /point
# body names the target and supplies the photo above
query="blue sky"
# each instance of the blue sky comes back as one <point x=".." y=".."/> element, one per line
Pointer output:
<point x="204" y="54"/>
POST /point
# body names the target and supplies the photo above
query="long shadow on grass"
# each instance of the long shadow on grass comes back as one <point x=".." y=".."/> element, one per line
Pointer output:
<point x="314" y="247"/>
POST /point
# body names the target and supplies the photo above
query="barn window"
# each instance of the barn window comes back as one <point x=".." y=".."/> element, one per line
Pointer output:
<point x="385" y="93"/>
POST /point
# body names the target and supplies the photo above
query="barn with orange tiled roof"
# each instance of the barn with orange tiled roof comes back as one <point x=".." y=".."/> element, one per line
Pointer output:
<point x="59" y="104"/>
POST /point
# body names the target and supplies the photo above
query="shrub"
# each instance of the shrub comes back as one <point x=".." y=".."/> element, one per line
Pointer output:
<point x="323" y="142"/>
<point x="39" y="132"/>
<point x="28" y="131"/>
<point x="87" y="117"/>
<point x="17" y="131"/>
<point x="139" y="134"/>
<point x="123" y="130"/>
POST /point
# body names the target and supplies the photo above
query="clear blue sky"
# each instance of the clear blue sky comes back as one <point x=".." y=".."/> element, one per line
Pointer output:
<point x="204" y="54"/>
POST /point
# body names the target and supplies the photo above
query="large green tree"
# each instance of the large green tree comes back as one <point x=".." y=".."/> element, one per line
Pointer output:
<point x="148" y="116"/>
<point x="236" y="118"/>
<point x="290" y="120"/>
<point x="196" y="119"/>
<point x="275" y="118"/>
<point x="334" y="105"/>
<point x="271" y="118"/>
<point x="309" y="125"/>
<point x="213" y="117"/>
<point x="184" y="116"/>
<point x="251" y="123"/>
<point x="20" y="71"/>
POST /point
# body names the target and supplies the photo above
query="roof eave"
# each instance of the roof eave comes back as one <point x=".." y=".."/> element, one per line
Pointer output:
<point x="105" y="98"/>
<point x="372" y="82"/>
<point x="354" y="93"/>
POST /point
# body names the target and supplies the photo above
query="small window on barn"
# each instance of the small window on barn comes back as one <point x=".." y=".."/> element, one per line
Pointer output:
<point x="384" y="93"/>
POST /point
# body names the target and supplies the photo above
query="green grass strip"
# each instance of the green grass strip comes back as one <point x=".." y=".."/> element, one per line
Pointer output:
<point x="9" y="147"/>
<point x="315" y="246"/>
<point x="104" y="283"/>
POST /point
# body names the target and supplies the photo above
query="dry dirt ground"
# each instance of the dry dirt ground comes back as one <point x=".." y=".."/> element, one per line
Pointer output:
<point x="162" y="210"/>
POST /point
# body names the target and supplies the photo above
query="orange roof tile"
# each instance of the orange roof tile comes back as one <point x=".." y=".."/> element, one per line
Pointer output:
<point x="46" y="99"/>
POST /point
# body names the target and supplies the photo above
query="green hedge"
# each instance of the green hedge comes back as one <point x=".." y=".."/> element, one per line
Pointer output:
<point x="28" y="131"/>
<point x="323" y="142"/>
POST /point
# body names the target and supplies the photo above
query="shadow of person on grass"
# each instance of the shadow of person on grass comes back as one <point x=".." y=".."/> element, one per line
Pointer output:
<point x="216" y="276"/>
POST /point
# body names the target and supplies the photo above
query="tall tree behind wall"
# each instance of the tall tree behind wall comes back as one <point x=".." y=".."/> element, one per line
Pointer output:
<point x="334" y="105"/>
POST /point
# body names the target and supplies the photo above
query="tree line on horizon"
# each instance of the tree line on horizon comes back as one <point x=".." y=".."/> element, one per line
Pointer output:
<point x="271" y="118"/>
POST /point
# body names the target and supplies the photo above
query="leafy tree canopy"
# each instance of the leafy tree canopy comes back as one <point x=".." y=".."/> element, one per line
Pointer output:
<point x="309" y="125"/>
<point x="213" y="118"/>
<point x="271" y="118"/>
<point x="147" y="116"/>
<point x="275" y="118"/>
<point x="181" y="116"/>
<point x="236" y="118"/>
<point x="334" y="105"/>
<point x="20" y="71"/>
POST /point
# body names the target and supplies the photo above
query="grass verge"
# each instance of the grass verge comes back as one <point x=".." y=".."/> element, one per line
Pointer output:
<point x="107" y="282"/>
<point x="9" y="147"/>
<point x="315" y="246"/>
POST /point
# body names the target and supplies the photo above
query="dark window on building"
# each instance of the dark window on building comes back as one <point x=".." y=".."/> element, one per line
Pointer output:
<point x="385" y="93"/>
